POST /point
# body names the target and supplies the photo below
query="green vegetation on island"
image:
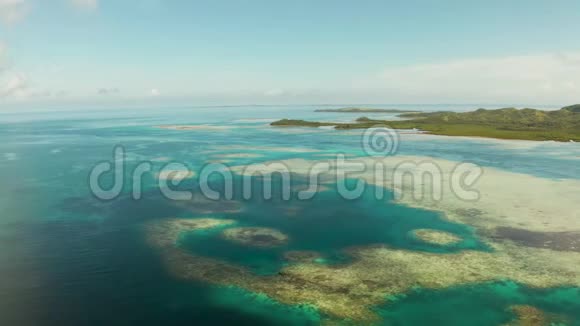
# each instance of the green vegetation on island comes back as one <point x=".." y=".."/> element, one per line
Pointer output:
<point x="364" y="110"/>
<point x="300" y="123"/>
<point x="572" y="108"/>
<point x="507" y="123"/>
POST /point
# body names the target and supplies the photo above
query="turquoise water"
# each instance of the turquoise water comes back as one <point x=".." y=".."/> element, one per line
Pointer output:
<point x="326" y="224"/>
<point x="482" y="304"/>
<point x="68" y="258"/>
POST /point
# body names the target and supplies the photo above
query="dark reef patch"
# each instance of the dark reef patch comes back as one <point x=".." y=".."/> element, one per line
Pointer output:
<point x="469" y="212"/>
<point x="560" y="241"/>
<point x="256" y="237"/>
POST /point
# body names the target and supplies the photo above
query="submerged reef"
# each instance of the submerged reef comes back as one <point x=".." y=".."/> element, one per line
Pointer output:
<point x="525" y="202"/>
<point x="561" y="241"/>
<point x="175" y="175"/>
<point x="532" y="316"/>
<point x="375" y="273"/>
<point x="350" y="291"/>
<point x="225" y="158"/>
<point x="302" y="256"/>
<point x="167" y="232"/>
<point x="436" y="237"/>
<point x="193" y="127"/>
<point x="256" y="237"/>
<point x="202" y="205"/>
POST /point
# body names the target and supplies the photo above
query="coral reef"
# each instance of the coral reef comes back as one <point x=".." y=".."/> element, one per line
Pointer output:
<point x="350" y="291"/>
<point x="165" y="233"/>
<point x="436" y="237"/>
<point x="532" y="316"/>
<point x="255" y="237"/>
<point x="524" y="202"/>
<point x="202" y="205"/>
<point x="301" y="256"/>
<point x="175" y="175"/>
<point x="561" y="241"/>
<point x="193" y="127"/>
<point x="238" y="155"/>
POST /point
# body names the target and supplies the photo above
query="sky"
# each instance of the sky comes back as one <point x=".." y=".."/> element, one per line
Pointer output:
<point x="188" y="52"/>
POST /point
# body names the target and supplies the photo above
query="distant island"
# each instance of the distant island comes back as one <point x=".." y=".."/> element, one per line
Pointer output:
<point x="365" y="110"/>
<point x="507" y="123"/>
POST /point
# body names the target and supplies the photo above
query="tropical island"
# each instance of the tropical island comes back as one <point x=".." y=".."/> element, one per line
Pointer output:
<point x="365" y="110"/>
<point x="508" y="123"/>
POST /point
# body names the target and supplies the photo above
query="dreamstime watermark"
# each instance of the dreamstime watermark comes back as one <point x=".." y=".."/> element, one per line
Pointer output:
<point x="406" y="177"/>
<point x="380" y="141"/>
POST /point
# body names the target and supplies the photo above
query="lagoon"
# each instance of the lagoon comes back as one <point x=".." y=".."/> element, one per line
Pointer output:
<point x="67" y="252"/>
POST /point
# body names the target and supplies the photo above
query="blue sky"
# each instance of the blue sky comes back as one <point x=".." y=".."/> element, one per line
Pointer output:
<point x="242" y="52"/>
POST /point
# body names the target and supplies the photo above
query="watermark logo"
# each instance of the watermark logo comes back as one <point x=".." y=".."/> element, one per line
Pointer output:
<point x="380" y="141"/>
<point x="407" y="178"/>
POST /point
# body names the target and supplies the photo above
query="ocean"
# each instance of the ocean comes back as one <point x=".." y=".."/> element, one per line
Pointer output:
<point x="70" y="258"/>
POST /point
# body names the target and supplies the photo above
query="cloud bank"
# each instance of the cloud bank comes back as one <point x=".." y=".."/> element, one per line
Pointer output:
<point x="12" y="11"/>
<point x="14" y="86"/>
<point x="543" y="78"/>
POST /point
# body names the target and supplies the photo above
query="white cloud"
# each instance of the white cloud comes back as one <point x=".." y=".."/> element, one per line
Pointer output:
<point x="86" y="4"/>
<point x="531" y="79"/>
<point x="14" y="86"/>
<point x="154" y="92"/>
<point x="12" y="11"/>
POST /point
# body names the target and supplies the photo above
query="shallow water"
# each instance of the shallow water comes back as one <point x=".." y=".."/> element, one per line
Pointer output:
<point x="328" y="225"/>
<point x="68" y="258"/>
<point x="481" y="304"/>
